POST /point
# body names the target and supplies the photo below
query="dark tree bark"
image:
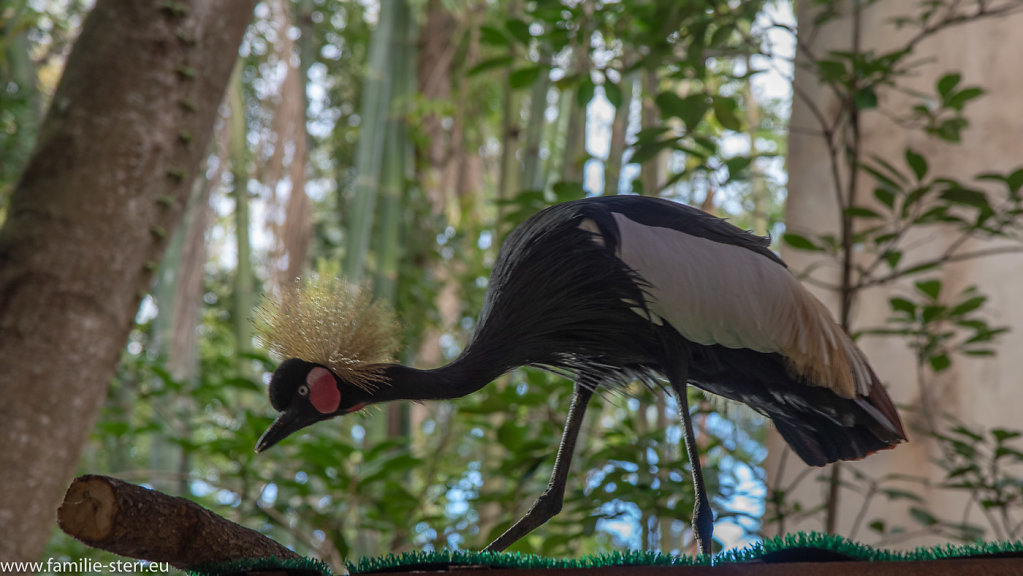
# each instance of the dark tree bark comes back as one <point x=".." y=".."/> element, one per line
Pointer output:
<point x="87" y="225"/>
<point x="137" y="522"/>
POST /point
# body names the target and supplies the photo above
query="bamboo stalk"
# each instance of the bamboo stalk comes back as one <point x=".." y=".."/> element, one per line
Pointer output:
<point x="376" y="97"/>
<point x="619" y="127"/>
<point x="238" y="151"/>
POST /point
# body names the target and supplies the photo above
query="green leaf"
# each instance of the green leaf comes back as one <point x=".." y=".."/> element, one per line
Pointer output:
<point x="725" y="112"/>
<point x="949" y="130"/>
<point x="565" y="191"/>
<point x="493" y="36"/>
<point x="899" y="304"/>
<point x="496" y="62"/>
<point x="861" y="212"/>
<point x="959" y="99"/>
<point x="670" y="104"/>
<point x="585" y="92"/>
<point x="519" y="30"/>
<point x="1002" y="452"/>
<point x="613" y="93"/>
<point x="895" y="494"/>
<point x="917" y="163"/>
<point x="800" y="242"/>
<point x="967" y="306"/>
<point x="1015" y="181"/>
<point x="961" y="471"/>
<point x="736" y="165"/>
<point x="690" y="109"/>
<point x="510" y="435"/>
<point x="891" y="176"/>
<point x="915" y="195"/>
<point x="1001" y="434"/>
<point x="964" y="431"/>
<point x="966" y="197"/>
<point x="885" y="196"/>
<point x="932" y="312"/>
<point x="644" y="150"/>
<point x="830" y="71"/>
<point x="932" y="288"/>
<point x="115" y="428"/>
<point x="524" y="77"/>
<point x="922" y="516"/>
<point x="865" y="98"/>
<point x="892" y="258"/>
<point x="947" y="84"/>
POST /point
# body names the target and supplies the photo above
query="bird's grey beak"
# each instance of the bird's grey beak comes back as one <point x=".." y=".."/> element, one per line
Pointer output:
<point x="289" y="422"/>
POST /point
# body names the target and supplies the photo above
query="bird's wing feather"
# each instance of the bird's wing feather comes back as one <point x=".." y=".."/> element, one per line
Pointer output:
<point x="714" y="292"/>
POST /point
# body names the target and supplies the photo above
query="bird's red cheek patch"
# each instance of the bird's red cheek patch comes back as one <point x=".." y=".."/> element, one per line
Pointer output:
<point x="323" y="392"/>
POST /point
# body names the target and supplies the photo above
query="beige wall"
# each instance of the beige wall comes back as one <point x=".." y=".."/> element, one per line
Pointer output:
<point x="983" y="391"/>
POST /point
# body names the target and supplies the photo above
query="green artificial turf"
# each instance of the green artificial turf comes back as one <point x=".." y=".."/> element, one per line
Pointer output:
<point x="789" y="548"/>
<point x="293" y="566"/>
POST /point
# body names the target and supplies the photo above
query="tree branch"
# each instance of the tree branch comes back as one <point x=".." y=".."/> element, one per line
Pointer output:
<point x="944" y="258"/>
<point x="136" y="522"/>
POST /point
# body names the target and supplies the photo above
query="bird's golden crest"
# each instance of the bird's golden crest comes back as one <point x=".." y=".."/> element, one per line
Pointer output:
<point x="330" y="322"/>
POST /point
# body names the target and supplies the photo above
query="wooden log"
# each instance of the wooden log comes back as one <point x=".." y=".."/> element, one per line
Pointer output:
<point x="137" y="522"/>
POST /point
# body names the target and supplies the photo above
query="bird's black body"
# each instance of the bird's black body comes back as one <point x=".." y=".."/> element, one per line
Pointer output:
<point x="559" y="299"/>
<point x="573" y="291"/>
<point x="589" y="324"/>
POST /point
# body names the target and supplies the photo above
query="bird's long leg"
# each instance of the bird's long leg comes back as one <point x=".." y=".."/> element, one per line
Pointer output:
<point x="703" y="516"/>
<point x="549" y="503"/>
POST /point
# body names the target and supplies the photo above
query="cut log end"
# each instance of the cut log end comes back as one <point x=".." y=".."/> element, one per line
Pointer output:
<point x="88" y="509"/>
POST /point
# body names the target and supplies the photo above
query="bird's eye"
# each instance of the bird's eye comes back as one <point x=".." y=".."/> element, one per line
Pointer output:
<point x="303" y="390"/>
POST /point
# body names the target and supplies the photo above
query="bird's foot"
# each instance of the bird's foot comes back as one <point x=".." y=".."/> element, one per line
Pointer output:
<point x="703" y="526"/>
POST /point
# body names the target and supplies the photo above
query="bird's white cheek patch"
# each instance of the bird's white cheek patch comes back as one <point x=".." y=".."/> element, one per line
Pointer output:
<point x="323" y="392"/>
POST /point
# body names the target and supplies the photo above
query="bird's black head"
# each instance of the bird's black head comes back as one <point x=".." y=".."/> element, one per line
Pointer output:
<point x="304" y="393"/>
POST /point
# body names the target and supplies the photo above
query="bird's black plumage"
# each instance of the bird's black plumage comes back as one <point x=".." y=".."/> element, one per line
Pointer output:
<point x="557" y="298"/>
<point x="560" y="298"/>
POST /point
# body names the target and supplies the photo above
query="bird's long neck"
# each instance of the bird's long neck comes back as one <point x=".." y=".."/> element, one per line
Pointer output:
<point x="463" y="376"/>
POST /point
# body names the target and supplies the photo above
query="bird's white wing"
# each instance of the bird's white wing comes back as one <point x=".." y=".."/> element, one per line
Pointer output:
<point x="717" y="293"/>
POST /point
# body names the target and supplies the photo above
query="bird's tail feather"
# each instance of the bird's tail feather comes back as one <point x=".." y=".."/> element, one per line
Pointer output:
<point x="824" y="441"/>
<point x="820" y="440"/>
<point x="879" y="405"/>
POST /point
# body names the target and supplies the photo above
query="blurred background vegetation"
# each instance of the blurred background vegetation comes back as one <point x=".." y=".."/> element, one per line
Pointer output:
<point x="397" y="142"/>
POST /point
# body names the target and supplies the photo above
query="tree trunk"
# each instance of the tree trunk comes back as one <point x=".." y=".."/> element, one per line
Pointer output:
<point x="87" y="226"/>
<point x="575" y="133"/>
<point x="293" y="235"/>
<point x="511" y="130"/>
<point x="532" y="175"/>
<point x="435" y="63"/>
<point x="652" y="172"/>
<point x="975" y="390"/>
<point x="758" y="183"/>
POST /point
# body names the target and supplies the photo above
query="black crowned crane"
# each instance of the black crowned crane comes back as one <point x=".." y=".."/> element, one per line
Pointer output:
<point x="609" y="290"/>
